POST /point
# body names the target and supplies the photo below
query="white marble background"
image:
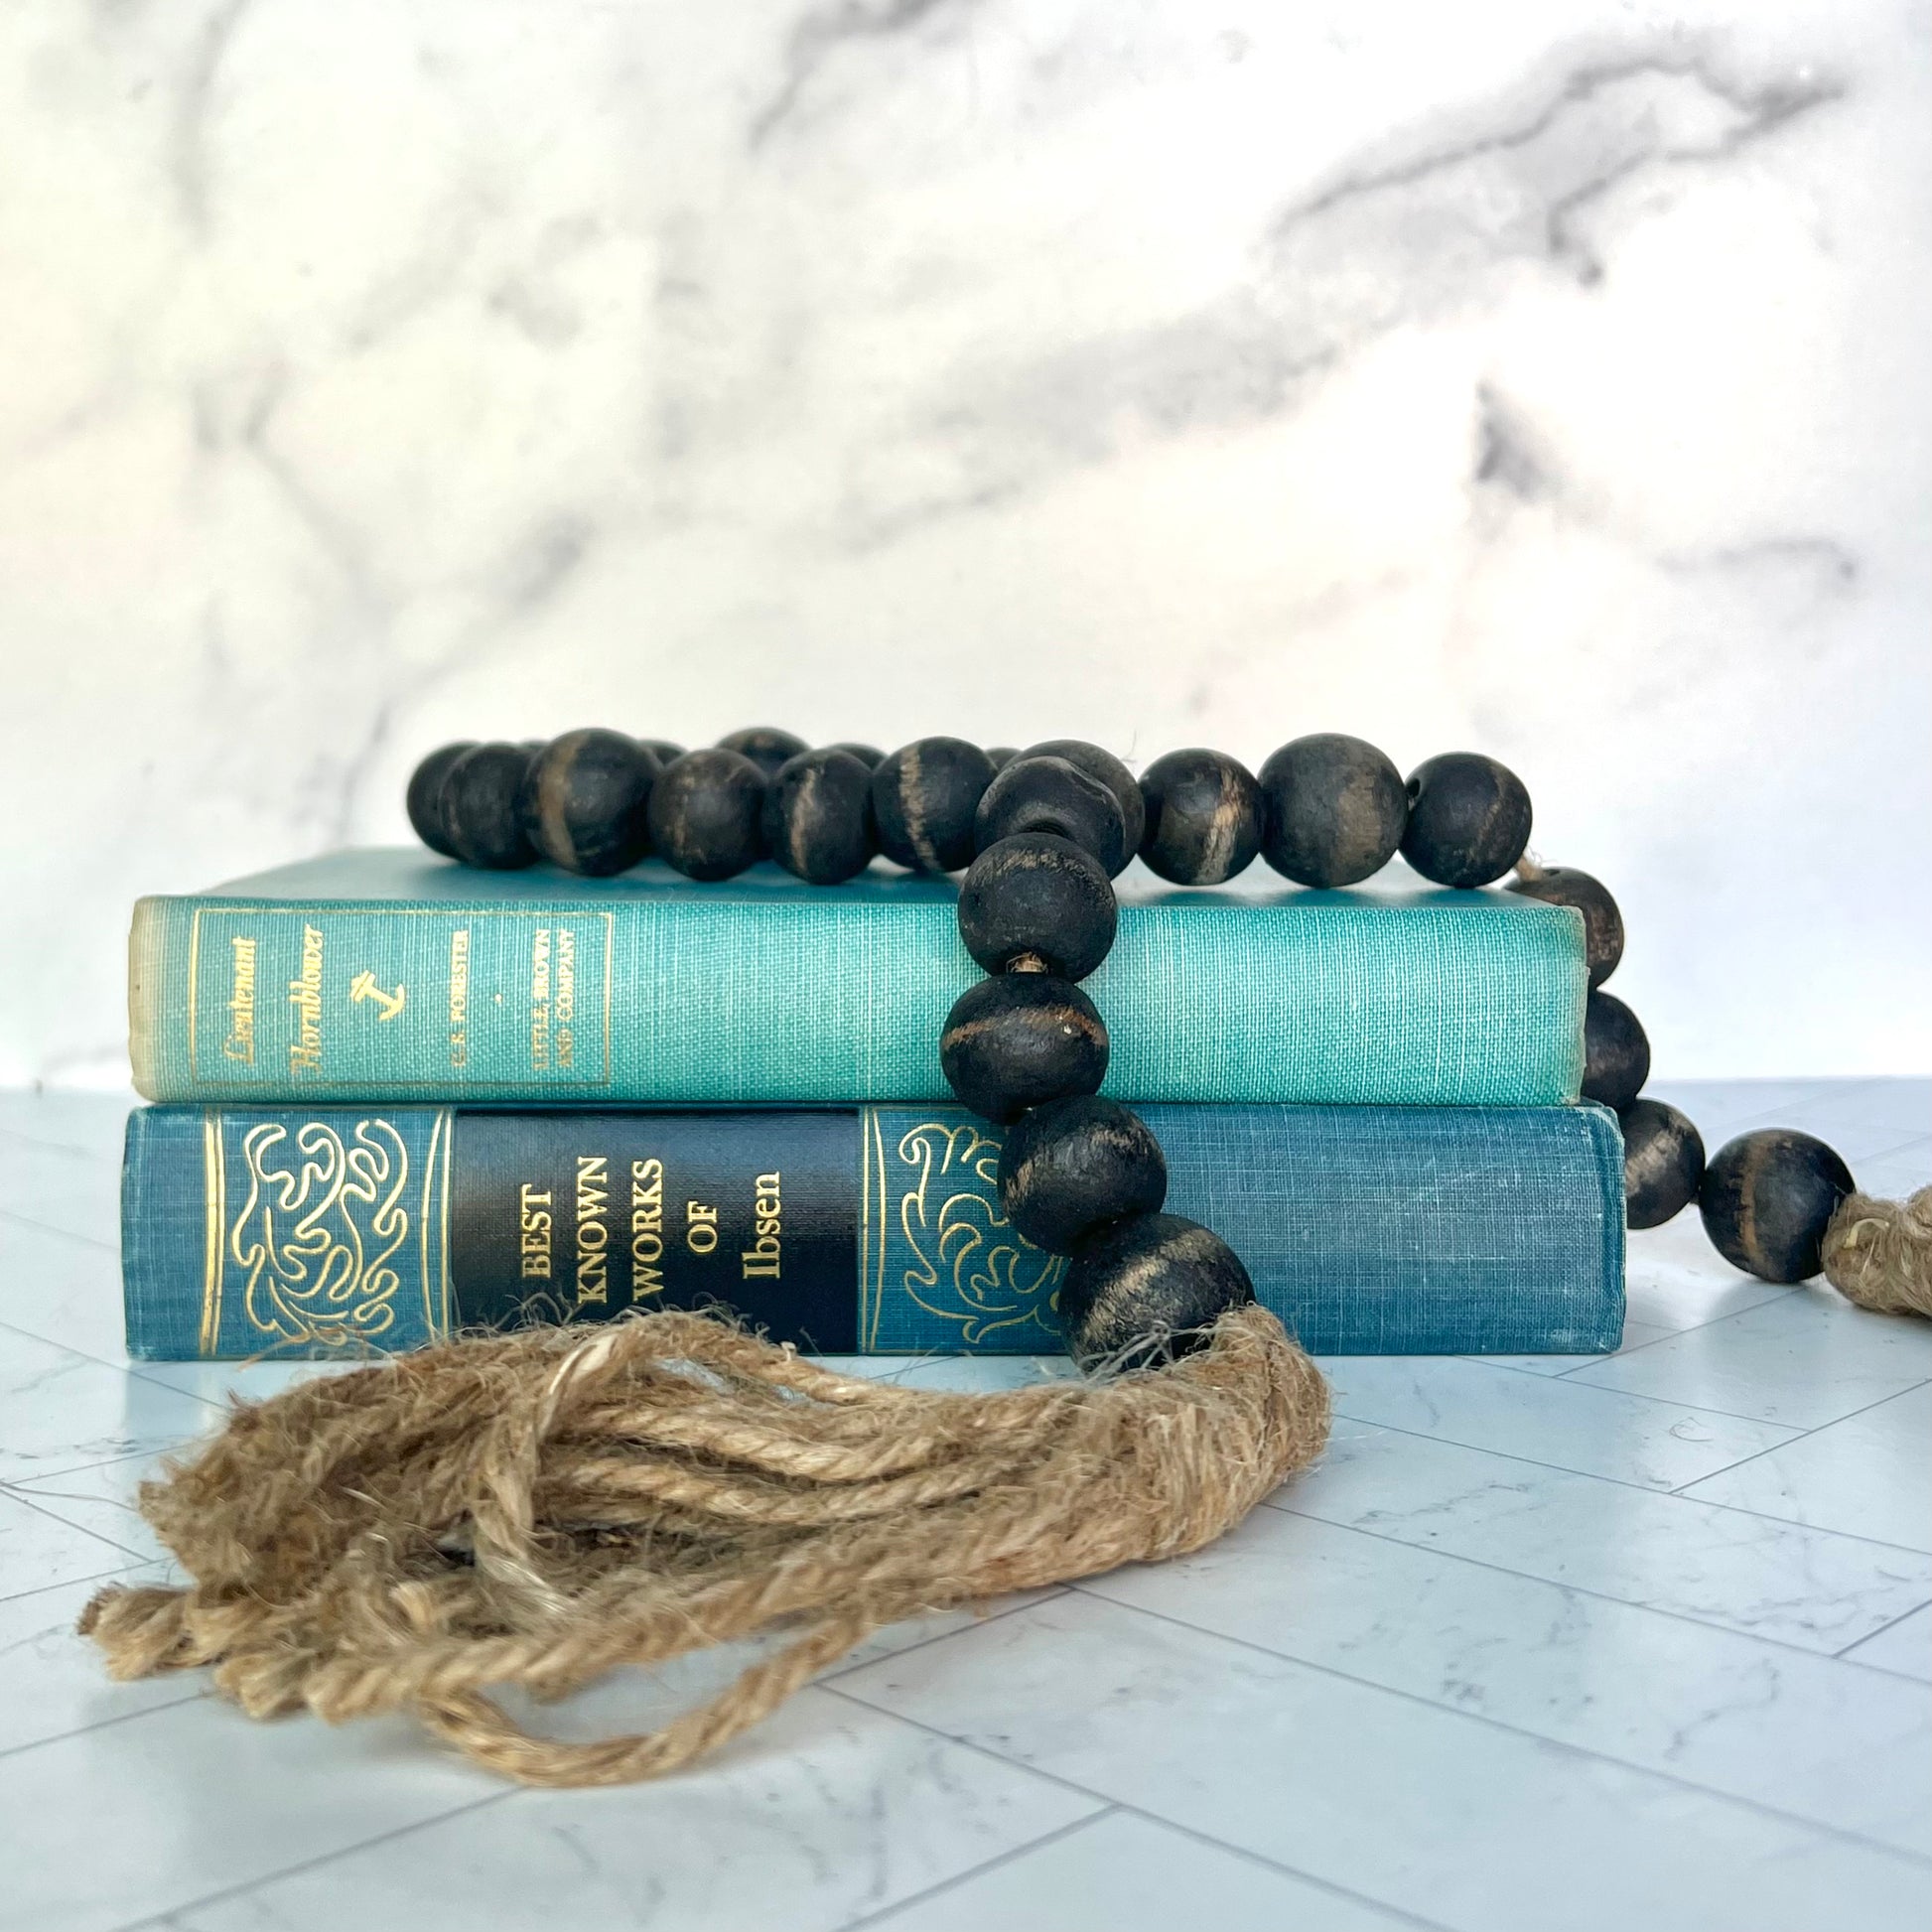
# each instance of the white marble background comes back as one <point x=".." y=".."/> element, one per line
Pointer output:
<point x="1544" y="379"/>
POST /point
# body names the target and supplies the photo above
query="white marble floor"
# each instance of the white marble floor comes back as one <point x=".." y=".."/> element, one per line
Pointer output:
<point x="1542" y="1643"/>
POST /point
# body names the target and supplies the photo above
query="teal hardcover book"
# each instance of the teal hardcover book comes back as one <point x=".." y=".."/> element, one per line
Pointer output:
<point x="400" y="974"/>
<point x="354" y="1230"/>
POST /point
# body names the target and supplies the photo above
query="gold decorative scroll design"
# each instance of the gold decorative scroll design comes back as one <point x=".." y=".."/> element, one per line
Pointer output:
<point x="322" y="1222"/>
<point x="970" y="1267"/>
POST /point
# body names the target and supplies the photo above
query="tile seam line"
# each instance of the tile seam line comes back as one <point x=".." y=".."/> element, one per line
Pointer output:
<point x="140" y="1371"/>
<point x="196" y="1696"/>
<point x="1583" y="1752"/>
<point x="1777" y="1448"/>
<point x="1617" y="1482"/>
<point x="1551" y="1381"/>
<point x="15" y="1494"/>
<point x="1193" y="1832"/>
<point x="1594" y="1596"/>
<point x="849" y="1663"/>
<point x="18" y="1220"/>
<point x="885" y="1914"/>
<point x="122" y="1569"/>
<point x="1845" y="1656"/>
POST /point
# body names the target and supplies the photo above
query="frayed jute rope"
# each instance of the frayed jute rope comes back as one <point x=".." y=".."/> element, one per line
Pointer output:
<point x="534" y="1510"/>
<point x="1878" y="1252"/>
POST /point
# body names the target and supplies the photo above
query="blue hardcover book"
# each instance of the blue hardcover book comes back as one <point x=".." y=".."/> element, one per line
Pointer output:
<point x="877" y="1229"/>
<point x="399" y="973"/>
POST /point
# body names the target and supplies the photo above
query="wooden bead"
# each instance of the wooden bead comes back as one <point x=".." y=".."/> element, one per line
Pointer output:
<point x="1332" y="810"/>
<point x="818" y="816"/>
<point x="1663" y="1163"/>
<point x="1041" y="895"/>
<point x="1110" y="773"/>
<point x="1050" y="794"/>
<point x="481" y="800"/>
<point x="1616" y="1051"/>
<point x="706" y="814"/>
<point x="869" y="755"/>
<point x="424" y="800"/>
<point x="924" y="797"/>
<point x="1002" y="754"/>
<point x="662" y="750"/>
<point x="1072" y="1166"/>
<point x="1203" y="817"/>
<point x="1021" y="1039"/>
<point x="765" y="746"/>
<point x="1469" y="819"/>
<point x="1144" y="1289"/>
<point x="586" y="801"/>
<point x="1767" y="1198"/>
<point x="1603" y="923"/>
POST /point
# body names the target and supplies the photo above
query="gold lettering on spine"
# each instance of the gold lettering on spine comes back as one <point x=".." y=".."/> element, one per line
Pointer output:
<point x="646" y="1228"/>
<point x="761" y="1261"/>
<point x="214" y="1189"/>
<point x="304" y="995"/>
<point x="593" y="1231"/>
<point x="240" y="1043"/>
<point x="533" y="1222"/>
<point x="460" y="997"/>
<point x="540" y="1000"/>
<point x="565" y="1012"/>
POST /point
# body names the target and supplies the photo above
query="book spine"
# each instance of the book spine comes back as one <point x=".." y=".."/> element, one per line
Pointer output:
<point x="345" y="1232"/>
<point x="664" y="1000"/>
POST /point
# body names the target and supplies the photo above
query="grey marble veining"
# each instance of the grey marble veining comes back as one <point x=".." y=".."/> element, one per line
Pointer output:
<point x="1547" y="379"/>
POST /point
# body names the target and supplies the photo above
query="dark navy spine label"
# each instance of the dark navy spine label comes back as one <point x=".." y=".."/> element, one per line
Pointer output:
<point x="579" y="1216"/>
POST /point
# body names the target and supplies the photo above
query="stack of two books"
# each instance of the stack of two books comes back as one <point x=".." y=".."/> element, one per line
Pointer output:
<point x="401" y="1098"/>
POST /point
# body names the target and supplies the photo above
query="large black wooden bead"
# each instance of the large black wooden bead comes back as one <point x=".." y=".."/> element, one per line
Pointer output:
<point x="1051" y="794"/>
<point x="1143" y="1291"/>
<point x="1663" y="1163"/>
<point x="1017" y="1040"/>
<point x="1203" y="817"/>
<point x="1071" y="1165"/>
<point x="869" y="755"/>
<point x="586" y="801"/>
<point x="924" y="798"/>
<point x="661" y="748"/>
<point x="1469" y="819"/>
<point x="706" y="812"/>
<point x="765" y="746"/>
<point x="1002" y="754"/>
<point x="1332" y="810"/>
<point x="1038" y="894"/>
<point x="1766" y="1199"/>
<point x="818" y="816"/>
<point x="424" y="800"/>
<point x="1603" y="923"/>
<point x="1110" y="773"/>
<point x="1616" y="1051"/>
<point x="481" y="802"/>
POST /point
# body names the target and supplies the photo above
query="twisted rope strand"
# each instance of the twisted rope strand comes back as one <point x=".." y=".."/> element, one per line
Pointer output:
<point x="536" y="1510"/>
<point x="1878" y="1252"/>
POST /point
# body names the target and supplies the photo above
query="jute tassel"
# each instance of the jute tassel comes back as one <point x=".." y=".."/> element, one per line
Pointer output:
<point x="1878" y="1252"/>
<point x="536" y="1509"/>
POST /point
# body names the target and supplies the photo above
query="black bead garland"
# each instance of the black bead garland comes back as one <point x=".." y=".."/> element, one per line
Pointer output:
<point x="1203" y="817"/>
<point x="1469" y="819"/>
<point x="1053" y="794"/>
<point x="1002" y="754"/>
<point x="1050" y="826"/>
<point x="1766" y="1199"/>
<point x="1332" y="810"/>
<point x="923" y="799"/>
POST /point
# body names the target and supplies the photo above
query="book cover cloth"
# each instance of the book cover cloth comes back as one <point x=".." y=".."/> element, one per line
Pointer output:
<point x="396" y="973"/>
<point x="340" y="1232"/>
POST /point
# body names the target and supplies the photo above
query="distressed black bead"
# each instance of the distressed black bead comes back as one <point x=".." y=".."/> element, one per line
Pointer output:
<point x="1039" y="894"/>
<point x="662" y="750"/>
<point x="1002" y="754"/>
<point x="924" y="798"/>
<point x="706" y="814"/>
<point x="1072" y="1166"/>
<point x="868" y="755"/>
<point x="1663" y="1163"/>
<point x="482" y="807"/>
<point x="1051" y="794"/>
<point x="1100" y="764"/>
<point x="586" y="800"/>
<point x="1144" y="1289"/>
<point x="1332" y="810"/>
<point x="1766" y="1199"/>
<point x="1603" y="923"/>
<point x="1017" y="1040"/>
<point x="424" y="799"/>
<point x="765" y="746"/>
<point x="1203" y="817"/>
<point x="1469" y="819"/>
<point x="1616" y="1051"/>
<point x="818" y="816"/>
